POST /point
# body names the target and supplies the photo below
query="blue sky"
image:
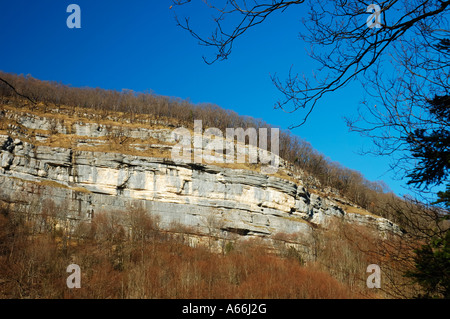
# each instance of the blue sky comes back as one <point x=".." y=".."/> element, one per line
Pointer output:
<point x="137" y="45"/>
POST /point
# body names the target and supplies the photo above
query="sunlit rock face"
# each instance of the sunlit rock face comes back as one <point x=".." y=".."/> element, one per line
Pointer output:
<point x="83" y="183"/>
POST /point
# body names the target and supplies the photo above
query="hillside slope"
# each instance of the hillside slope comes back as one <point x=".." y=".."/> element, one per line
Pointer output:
<point x="87" y="163"/>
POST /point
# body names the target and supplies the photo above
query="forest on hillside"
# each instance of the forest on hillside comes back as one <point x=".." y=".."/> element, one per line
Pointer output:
<point x="373" y="196"/>
<point x="31" y="260"/>
<point x="156" y="263"/>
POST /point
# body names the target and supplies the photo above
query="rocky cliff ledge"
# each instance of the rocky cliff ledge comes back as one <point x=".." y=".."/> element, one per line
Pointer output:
<point x="87" y="166"/>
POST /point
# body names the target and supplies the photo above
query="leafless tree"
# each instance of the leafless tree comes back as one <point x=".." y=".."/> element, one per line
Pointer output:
<point x="343" y="44"/>
<point x="9" y="85"/>
<point x="396" y="104"/>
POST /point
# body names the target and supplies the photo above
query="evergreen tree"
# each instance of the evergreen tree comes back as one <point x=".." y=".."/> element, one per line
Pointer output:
<point x="432" y="270"/>
<point x="432" y="149"/>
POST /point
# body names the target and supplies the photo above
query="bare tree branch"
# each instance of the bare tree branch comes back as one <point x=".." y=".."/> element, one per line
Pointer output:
<point x="15" y="91"/>
<point x="339" y="26"/>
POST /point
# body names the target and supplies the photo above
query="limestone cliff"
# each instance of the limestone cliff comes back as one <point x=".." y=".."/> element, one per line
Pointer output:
<point x="88" y="165"/>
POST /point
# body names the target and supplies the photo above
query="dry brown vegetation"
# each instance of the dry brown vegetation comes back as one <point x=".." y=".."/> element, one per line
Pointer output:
<point x="125" y="254"/>
<point x="148" y="263"/>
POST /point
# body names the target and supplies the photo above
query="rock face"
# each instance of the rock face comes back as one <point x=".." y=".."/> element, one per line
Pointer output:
<point x="202" y="197"/>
